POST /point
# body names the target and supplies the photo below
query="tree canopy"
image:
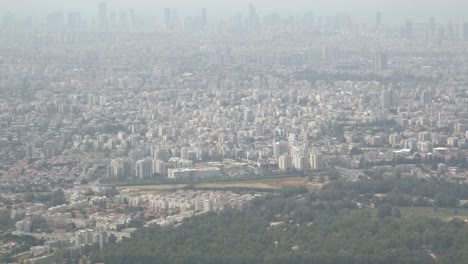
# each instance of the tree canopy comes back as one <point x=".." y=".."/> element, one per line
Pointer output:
<point x="298" y="229"/>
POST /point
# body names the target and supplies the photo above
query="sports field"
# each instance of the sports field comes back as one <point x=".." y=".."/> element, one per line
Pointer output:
<point x="266" y="184"/>
<point x="445" y="214"/>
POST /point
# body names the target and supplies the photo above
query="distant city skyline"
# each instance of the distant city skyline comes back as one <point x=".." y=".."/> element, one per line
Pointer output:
<point x="364" y="10"/>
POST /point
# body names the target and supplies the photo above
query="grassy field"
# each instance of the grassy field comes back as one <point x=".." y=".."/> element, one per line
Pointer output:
<point x="152" y="188"/>
<point x="266" y="184"/>
<point x="445" y="214"/>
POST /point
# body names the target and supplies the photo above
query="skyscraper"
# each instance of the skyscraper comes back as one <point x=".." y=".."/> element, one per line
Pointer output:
<point x="252" y="12"/>
<point x="112" y="22"/>
<point x="451" y="34"/>
<point x="204" y="18"/>
<point x="168" y="19"/>
<point x="378" y="21"/>
<point x="124" y="24"/>
<point x="299" y="161"/>
<point x="74" y="22"/>
<point x="408" y="29"/>
<point x="389" y="98"/>
<point x="431" y="29"/>
<point x="380" y="61"/>
<point x="132" y="19"/>
<point x="253" y="19"/>
<point x="54" y="22"/>
<point x="284" y="162"/>
<point x="144" y="168"/>
<point x="102" y="16"/>
<point x="465" y="31"/>
<point x="121" y="168"/>
<point x="426" y="97"/>
<point x="316" y="161"/>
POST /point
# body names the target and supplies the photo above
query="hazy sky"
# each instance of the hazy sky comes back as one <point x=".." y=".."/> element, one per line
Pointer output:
<point x="391" y="9"/>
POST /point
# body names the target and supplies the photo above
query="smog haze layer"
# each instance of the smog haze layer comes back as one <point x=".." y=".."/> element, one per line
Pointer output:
<point x="395" y="10"/>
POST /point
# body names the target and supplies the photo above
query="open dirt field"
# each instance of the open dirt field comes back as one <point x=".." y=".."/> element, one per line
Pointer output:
<point x="267" y="184"/>
<point x="298" y="182"/>
<point x="151" y="188"/>
<point x="264" y="183"/>
<point x="257" y="185"/>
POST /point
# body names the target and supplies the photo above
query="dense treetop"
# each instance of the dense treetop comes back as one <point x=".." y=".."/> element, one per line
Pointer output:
<point x="298" y="227"/>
